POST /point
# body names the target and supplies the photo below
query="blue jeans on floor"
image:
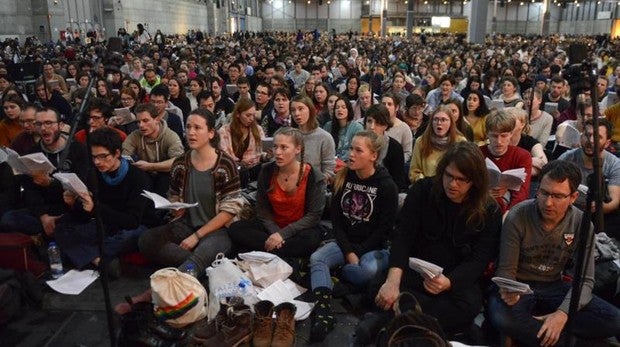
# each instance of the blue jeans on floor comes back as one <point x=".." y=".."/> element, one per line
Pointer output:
<point x="598" y="319"/>
<point x="330" y="256"/>
<point x="21" y="221"/>
<point x="79" y="242"/>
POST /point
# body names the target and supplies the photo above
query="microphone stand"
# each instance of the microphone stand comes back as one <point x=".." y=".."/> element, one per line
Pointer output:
<point x="586" y="234"/>
<point x="92" y="183"/>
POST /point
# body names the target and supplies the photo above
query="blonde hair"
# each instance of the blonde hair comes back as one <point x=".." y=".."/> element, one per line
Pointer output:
<point x="374" y="142"/>
<point x="521" y="115"/>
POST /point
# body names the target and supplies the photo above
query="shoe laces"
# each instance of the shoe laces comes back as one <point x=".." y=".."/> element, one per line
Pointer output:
<point x="283" y="325"/>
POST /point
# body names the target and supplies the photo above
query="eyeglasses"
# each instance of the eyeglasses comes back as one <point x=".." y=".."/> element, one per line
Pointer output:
<point x="441" y="120"/>
<point x="27" y="121"/>
<point x="543" y="194"/>
<point x="102" y="156"/>
<point x="126" y="99"/>
<point x="96" y="117"/>
<point x="46" y="124"/>
<point x="458" y="180"/>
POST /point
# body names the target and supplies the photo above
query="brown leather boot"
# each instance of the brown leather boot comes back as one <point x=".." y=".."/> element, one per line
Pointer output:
<point x="284" y="332"/>
<point x="206" y="329"/>
<point x="263" y="324"/>
<point x="235" y="330"/>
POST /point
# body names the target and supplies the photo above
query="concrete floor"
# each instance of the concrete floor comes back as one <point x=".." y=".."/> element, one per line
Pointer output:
<point x="80" y="320"/>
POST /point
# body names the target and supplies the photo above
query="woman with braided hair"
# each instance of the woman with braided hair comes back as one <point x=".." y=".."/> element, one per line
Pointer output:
<point x="289" y="203"/>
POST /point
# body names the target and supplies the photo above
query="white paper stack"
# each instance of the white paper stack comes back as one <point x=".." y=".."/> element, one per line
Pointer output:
<point x="512" y="286"/>
<point x="71" y="182"/>
<point x="165" y="204"/>
<point x="511" y="179"/>
<point x="425" y="268"/>
<point x="286" y="291"/>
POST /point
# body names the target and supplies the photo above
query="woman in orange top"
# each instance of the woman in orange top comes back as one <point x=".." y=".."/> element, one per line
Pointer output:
<point x="289" y="205"/>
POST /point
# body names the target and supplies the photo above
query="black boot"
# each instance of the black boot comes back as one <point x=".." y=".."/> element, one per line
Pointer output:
<point x="322" y="317"/>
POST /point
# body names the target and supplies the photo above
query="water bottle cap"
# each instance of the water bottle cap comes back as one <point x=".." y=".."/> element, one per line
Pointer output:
<point x="190" y="266"/>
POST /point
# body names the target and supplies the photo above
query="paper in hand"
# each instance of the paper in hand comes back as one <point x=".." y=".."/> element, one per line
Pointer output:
<point x="425" y="268"/>
<point x="512" y="286"/>
<point x="71" y="182"/>
<point x="29" y="164"/>
<point x="164" y="204"/>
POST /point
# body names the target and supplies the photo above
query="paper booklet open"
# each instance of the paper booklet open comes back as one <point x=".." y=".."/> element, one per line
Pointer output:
<point x="165" y="204"/>
<point x="511" y="179"/>
<point x="551" y="107"/>
<point x="425" y="268"/>
<point x="27" y="164"/>
<point x="567" y="135"/>
<point x="71" y="182"/>
<point x="123" y="116"/>
<point x="512" y="286"/>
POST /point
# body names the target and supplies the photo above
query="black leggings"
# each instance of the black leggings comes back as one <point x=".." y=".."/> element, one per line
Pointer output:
<point x="250" y="235"/>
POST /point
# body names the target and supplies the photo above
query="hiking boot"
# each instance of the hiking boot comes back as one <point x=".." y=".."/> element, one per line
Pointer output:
<point x="235" y="330"/>
<point x="206" y="329"/>
<point x="263" y="324"/>
<point x="284" y="332"/>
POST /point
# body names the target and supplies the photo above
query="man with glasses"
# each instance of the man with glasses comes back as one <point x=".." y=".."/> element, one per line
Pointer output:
<point x="583" y="156"/>
<point x="539" y="238"/>
<point x="262" y="97"/>
<point x="121" y="206"/>
<point x="42" y="194"/>
<point x="29" y="137"/>
<point x="99" y="113"/>
<point x="499" y="126"/>
<point x="160" y="98"/>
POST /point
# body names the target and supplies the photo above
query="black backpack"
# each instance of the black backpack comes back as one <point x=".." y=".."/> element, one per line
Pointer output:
<point x="411" y="327"/>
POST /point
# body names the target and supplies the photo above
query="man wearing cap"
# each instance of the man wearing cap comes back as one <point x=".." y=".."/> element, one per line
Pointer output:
<point x="541" y="83"/>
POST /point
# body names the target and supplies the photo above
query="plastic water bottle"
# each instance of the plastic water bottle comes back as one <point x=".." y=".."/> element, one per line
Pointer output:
<point x="55" y="261"/>
<point x="191" y="270"/>
<point x="244" y="287"/>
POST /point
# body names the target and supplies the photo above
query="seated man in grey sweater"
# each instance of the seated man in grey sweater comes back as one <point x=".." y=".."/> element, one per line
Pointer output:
<point x="539" y="237"/>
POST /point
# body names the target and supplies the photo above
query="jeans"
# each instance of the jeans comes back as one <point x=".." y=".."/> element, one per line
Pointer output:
<point x="161" y="245"/>
<point x="597" y="319"/>
<point x="330" y="256"/>
<point x="79" y="242"/>
<point x="21" y="221"/>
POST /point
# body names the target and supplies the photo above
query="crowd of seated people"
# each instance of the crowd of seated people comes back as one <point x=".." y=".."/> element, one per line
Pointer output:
<point x="336" y="143"/>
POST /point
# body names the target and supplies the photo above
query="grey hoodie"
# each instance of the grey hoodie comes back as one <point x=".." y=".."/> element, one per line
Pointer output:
<point x="167" y="145"/>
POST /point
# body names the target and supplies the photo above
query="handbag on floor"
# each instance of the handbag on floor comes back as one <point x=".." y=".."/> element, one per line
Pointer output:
<point x="411" y="326"/>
